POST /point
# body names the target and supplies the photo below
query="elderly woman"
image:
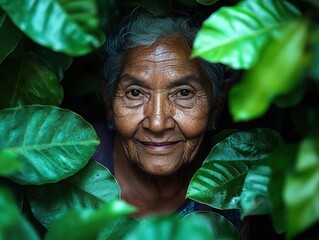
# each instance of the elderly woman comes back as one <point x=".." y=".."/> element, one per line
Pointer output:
<point x="162" y="104"/>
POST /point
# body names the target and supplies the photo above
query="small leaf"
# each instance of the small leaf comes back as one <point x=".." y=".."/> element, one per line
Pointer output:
<point x="29" y="81"/>
<point x="41" y="136"/>
<point x="266" y="81"/>
<point x="217" y="225"/>
<point x="9" y="162"/>
<point x="168" y="227"/>
<point x="91" y="187"/>
<point x="254" y="197"/>
<point x="301" y="194"/>
<point x="235" y="35"/>
<point x="10" y="36"/>
<point x="92" y="221"/>
<point x="220" y="179"/>
<point x="70" y="26"/>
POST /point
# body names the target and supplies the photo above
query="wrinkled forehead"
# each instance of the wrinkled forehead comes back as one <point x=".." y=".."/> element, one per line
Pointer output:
<point x="164" y="55"/>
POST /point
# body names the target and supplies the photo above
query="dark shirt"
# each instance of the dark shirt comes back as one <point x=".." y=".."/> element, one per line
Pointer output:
<point x="104" y="155"/>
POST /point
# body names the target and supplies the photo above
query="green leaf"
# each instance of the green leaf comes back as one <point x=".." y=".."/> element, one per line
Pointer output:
<point x="56" y="62"/>
<point x="301" y="194"/>
<point x="281" y="163"/>
<point x="217" y="225"/>
<point x="91" y="187"/>
<point x="70" y="226"/>
<point x="9" y="213"/>
<point x="29" y="81"/>
<point x="254" y="196"/>
<point x="69" y="26"/>
<point x="168" y="227"/>
<point x="219" y="181"/>
<point x="266" y="81"/>
<point x="314" y="70"/>
<point x="9" y="162"/>
<point x="9" y="35"/>
<point x="235" y="35"/>
<point x="52" y="143"/>
<point x="22" y="230"/>
<point x="157" y="7"/>
<point x="206" y="2"/>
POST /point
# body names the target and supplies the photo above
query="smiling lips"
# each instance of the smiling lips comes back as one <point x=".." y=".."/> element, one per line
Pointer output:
<point x="159" y="145"/>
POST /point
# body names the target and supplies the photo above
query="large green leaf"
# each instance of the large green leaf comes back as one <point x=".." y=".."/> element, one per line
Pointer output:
<point x="276" y="73"/>
<point x="217" y="225"/>
<point x="9" y="35"/>
<point x="89" y="188"/>
<point x="281" y="163"/>
<point x="235" y="35"/>
<point x="28" y="81"/>
<point x="52" y="143"/>
<point x="69" y="26"/>
<point x="168" y="227"/>
<point x="9" y="162"/>
<point x="301" y="194"/>
<point x="254" y="196"/>
<point x="220" y="179"/>
<point x="87" y="223"/>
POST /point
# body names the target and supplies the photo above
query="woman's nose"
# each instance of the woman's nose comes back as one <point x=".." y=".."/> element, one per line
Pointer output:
<point x="158" y="114"/>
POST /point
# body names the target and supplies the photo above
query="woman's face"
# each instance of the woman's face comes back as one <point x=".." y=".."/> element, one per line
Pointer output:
<point x="161" y="107"/>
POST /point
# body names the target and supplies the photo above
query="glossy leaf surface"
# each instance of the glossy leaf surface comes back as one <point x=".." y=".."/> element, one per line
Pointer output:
<point x="9" y="162"/>
<point x="41" y="136"/>
<point x="217" y="225"/>
<point x="70" y="26"/>
<point x="162" y="228"/>
<point x="28" y="81"/>
<point x="235" y="35"/>
<point x="303" y="208"/>
<point x="220" y="179"/>
<point x="255" y="196"/>
<point x="10" y="36"/>
<point x="87" y="223"/>
<point x="266" y="81"/>
<point x="91" y="187"/>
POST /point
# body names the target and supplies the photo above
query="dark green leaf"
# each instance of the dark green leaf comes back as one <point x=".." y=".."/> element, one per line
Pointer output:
<point x="52" y="143"/>
<point x="255" y="197"/>
<point x="171" y="227"/>
<point x="9" y="35"/>
<point x="301" y="194"/>
<point x="57" y="62"/>
<point x="69" y="26"/>
<point x="157" y="7"/>
<point x="9" y="162"/>
<point x="235" y="35"/>
<point x="217" y="225"/>
<point x="87" y="223"/>
<point x="281" y="163"/>
<point x="220" y="179"/>
<point x="91" y="187"/>
<point x="22" y="230"/>
<point x="266" y="81"/>
<point x="29" y="81"/>
<point x="293" y="97"/>
<point x="207" y="2"/>
<point x="314" y="70"/>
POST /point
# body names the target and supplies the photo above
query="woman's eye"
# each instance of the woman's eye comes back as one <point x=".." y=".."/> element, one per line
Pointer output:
<point x="184" y="93"/>
<point x="135" y="93"/>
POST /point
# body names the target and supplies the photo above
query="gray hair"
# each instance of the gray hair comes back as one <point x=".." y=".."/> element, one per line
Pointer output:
<point x="143" y="29"/>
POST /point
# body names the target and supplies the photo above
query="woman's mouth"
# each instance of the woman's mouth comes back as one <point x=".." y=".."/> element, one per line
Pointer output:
<point x="159" y="146"/>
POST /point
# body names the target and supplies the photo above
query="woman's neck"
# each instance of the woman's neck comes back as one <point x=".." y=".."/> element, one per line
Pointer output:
<point x="150" y="194"/>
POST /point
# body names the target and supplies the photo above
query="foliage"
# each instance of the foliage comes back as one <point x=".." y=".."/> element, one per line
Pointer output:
<point x="45" y="150"/>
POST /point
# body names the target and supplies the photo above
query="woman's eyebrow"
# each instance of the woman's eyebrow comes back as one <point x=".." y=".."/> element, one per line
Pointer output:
<point x="185" y="80"/>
